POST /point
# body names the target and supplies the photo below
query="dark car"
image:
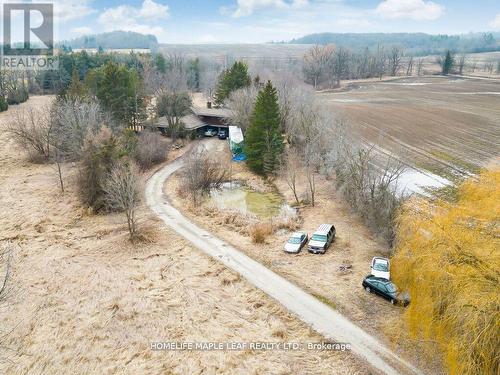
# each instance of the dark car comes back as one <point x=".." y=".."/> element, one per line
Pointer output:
<point x="222" y="134"/>
<point x="386" y="289"/>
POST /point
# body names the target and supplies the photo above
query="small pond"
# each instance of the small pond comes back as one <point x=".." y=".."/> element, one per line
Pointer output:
<point x="234" y="195"/>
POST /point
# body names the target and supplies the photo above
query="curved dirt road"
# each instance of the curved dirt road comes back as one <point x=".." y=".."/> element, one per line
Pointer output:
<point x="316" y="314"/>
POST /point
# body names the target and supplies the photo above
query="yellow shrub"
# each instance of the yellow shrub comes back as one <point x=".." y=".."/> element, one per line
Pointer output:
<point x="448" y="258"/>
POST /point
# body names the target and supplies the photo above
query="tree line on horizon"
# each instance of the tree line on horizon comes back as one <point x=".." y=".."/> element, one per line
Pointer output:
<point x="112" y="40"/>
<point x="416" y="44"/>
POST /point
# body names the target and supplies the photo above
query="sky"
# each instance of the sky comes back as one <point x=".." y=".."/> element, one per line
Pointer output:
<point x="258" y="21"/>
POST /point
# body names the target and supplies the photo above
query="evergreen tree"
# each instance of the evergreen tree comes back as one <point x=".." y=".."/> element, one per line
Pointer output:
<point x="230" y="80"/>
<point x="119" y="91"/>
<point x="193" y="74"/>
<point x="263" y="139"/>
<point x="161" y="63"/>
<point x="76" y="88"/>
<point x="448" y="63"/>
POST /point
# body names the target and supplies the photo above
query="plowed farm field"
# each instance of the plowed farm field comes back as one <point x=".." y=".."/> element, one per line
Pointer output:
<point x="445" y="125"/>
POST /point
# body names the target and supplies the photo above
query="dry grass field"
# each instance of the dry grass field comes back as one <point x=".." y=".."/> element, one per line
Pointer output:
<point x="442" y="124"/>
<point x="83" y="300"/>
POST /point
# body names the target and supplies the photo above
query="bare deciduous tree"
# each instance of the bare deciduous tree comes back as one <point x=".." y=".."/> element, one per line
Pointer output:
<point x="74" y="120"/>
<point x="154" y="80"/>
<point x="289" y="90"/>
<point x="290" y="171"/>
<point x="461" y="62"/>
<point x="209" y="76"/>
<point x="315" y="63"/>
<point x="203" y="172"/>
<point x="241" y="104"/>
<point x="173" y="105"/>
<point x="339" y="64"/>
<point x="380" y="61"/>
<point x="311" y="163"/>
<point x="395" y="59"/>
<point x="303" y="116"/>
<point x="176" y="74"/>
<point x="368" y="182"/>
<point x="122" y="192"/>
<point x="420" y="66"/>
<point x="489" y="66"/>
<point x="409" y="68"/>
<point x="32" y="130"/>
<point x="473" y="66"/>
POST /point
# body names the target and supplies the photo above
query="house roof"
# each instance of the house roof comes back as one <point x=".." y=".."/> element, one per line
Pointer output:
<point x="211" y="112"/>
<point x="190" y="121"/>
<point x="200" y="107"/>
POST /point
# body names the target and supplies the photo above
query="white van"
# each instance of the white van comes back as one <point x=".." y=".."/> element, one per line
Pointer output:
<point x="322" y="238"/>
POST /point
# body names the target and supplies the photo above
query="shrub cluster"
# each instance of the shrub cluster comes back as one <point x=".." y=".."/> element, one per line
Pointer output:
<point x="3" y="104"/>
<point x="151" y="149"/>
<point x="17" y="95"/>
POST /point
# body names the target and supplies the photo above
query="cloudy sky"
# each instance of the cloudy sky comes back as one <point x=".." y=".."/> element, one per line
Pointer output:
<point x="250" y="21"/>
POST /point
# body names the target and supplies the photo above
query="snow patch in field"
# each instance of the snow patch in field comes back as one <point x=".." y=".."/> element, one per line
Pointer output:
<point x="374" y="100"/>
<point x="346" y="100"/>
<point x="415" y="181"/>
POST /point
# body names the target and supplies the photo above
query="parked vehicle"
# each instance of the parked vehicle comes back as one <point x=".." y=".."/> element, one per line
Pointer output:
<point x="222" y="134"/>
<point x="322" y="238"/>
<point x="385" y="289"/>
<point x="296" y="242"/>
<point x="381" y="268"/>
<point x="210" y="133"/>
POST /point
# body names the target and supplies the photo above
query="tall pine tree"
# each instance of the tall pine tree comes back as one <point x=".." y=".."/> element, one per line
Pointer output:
<point x="230" y="80"/>
<point x="448" y="63"/>
<point x="263" y="139"/>
<point x="76" y="88"/>
<point x="119" y="91"/>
